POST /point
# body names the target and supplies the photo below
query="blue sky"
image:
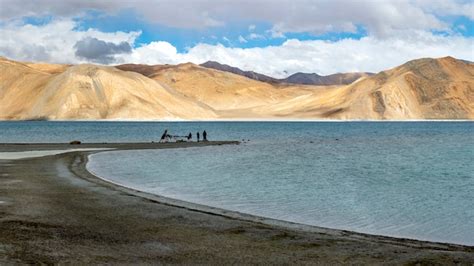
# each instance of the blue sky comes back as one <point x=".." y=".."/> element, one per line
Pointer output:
<point x="301" y="35"/>
<point x="243" y="34"/>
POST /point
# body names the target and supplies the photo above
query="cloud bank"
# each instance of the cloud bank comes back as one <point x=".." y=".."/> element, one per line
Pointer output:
<point x="54" y="41"/>
<point x="59" y="42"/>
<point x="322" y="57"/>
<point x="396" y="31"/>
<point x="380" y="17"/>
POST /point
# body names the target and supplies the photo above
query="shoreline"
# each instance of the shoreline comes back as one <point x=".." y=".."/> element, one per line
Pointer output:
<point x="240" y="230"/>
<point x="188" y="205"/>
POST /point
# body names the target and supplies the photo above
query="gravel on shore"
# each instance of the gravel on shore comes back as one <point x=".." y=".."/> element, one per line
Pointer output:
<point x="52" y="210"/>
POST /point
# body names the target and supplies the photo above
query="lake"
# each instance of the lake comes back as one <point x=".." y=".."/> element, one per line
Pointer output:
<point x="403" y="179"/>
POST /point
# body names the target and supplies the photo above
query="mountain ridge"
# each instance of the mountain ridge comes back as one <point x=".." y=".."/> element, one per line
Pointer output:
<point x="249" y="74"/>
<point x="89" y="91"/>
<point x="296" y="78"/>
<point x="426" y="88"/>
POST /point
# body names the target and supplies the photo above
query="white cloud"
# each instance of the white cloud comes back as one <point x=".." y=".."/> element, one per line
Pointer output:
<point x="158" y="51"/>
<point x="242" y="39"/>
<point x="252" y="27"/>
<point x="381" y="18"/>
<point x="254" y="36"/>
<point x="322" y="57"/>
<point x="55" y="41"/>
<point x="448" y="7"/>
<point x="276" y="34"/>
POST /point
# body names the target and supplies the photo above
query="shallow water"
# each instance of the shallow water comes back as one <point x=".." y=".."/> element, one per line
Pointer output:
<point x="413" y="180"/>
<point x="410" y="180"/>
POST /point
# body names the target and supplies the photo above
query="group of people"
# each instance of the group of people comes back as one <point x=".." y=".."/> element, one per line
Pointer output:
<point x="167" y="137"/>
<point x="204" y="136"/>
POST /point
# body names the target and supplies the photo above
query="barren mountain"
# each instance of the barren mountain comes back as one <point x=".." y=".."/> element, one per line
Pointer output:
<point x="297" y="78"/>
<point x="238" y="71"/>
<point x="420" y="89"/>
<point x="48" y="68"/>
<point x="145" y="70"/>
<point x="89" y="92"/>
<point x="224" y="91"/>
<point x="425" y="88"/>
<point x="334" y="79"/>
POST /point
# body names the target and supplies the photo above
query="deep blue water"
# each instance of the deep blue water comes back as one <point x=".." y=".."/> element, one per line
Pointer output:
<point x="413" y="179"/>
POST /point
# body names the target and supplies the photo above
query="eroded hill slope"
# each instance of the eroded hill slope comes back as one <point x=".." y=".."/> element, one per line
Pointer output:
<point x="420" y="89"/>
<point x="90" y="92"/>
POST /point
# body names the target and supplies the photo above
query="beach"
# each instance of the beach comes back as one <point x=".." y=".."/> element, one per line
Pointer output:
<point x="52" y="210"/>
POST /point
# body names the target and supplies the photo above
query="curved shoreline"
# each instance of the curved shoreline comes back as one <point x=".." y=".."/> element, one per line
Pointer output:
<point x="256" y="218"/>
<point x="54" y="210"/>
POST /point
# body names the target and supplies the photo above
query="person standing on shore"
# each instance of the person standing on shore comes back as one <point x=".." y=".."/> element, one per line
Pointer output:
<point x="204" y="136"/>
<point x="197" y="135"/>
<point x="190" y="136"/>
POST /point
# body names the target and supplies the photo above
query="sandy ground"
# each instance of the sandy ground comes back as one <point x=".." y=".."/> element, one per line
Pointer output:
<point x="53" y="211"/>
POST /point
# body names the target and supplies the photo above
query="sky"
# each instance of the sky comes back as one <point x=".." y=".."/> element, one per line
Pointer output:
<point x="272" y="37"/>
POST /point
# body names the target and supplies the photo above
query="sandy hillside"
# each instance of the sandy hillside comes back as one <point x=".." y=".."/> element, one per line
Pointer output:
<point x="48" y="68"/>
<point x="420" y="89"/>
<point x="224" y="91"/>
<point x="232" y="96"/>
<point x="89" y="92"/>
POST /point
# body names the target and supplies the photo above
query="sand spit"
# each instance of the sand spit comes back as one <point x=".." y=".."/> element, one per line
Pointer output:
<point x="61" y="213"/>
<point x="34" y="154"/>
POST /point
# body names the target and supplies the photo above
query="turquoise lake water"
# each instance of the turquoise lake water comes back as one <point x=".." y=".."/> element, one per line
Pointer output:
<point x="413" y="180"/>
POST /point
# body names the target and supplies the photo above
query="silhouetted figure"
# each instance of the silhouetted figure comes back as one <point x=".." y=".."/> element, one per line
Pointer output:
<point x="204" y="136"/>
<point x="190" y="136"/>
<point x="197" y="135"/>
<point x="164" y="136"/>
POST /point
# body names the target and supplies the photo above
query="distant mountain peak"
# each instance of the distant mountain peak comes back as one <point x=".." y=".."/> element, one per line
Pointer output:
<point x="235" y="70"/>
<point x="296" y="78"/>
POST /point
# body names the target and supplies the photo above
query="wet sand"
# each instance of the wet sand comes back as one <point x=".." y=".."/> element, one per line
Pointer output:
<point x="52" y="210"/>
